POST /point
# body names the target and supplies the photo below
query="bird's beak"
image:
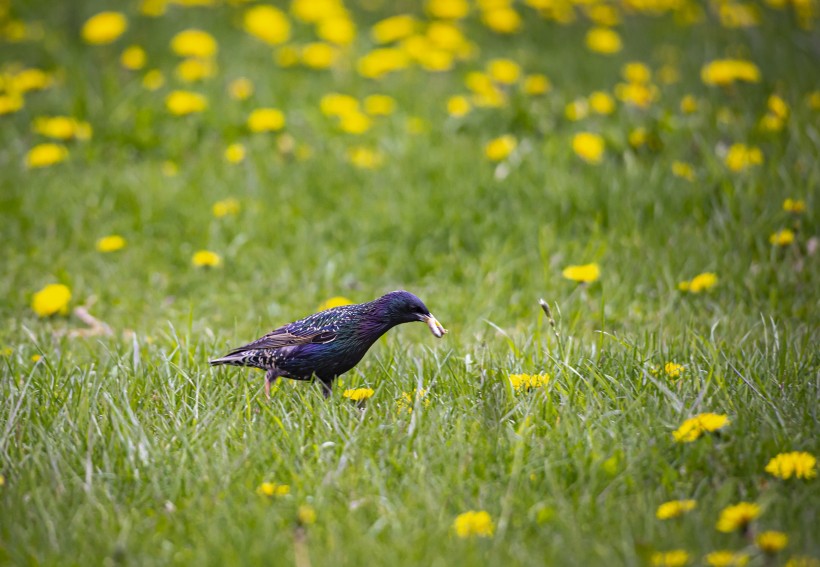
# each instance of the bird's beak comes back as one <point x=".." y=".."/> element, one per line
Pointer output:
<point x="435" y="327"/>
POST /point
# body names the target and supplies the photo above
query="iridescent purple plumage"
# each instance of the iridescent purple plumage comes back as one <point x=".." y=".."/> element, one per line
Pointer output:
<point x="329" y="343"/>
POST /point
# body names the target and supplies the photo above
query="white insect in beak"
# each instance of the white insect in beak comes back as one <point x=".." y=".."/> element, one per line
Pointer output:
<point x="435" y="327"/>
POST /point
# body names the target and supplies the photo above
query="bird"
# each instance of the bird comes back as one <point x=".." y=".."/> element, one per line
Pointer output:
<point x="327" y="344"/>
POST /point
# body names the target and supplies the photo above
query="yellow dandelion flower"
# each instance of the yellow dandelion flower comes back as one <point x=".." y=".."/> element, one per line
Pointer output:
<point x="379" y="105"/>
<point x="338" y="30"/>
<point x="638" y="137"/>
<point x="683" y="170"/>
<point x="206" y="259"/>
<point x="694" y="427"/>
<point x="240" y="89"/>
<point x="153" y="8"/>
<point x="447" y="9"/>
<point x="194" y="43"/>
<point x="576" y="110"/>
<point x="795" y="206"/>
<point x="365" y="158"/>
<point x="673" y="558"/>
<point x="110" y="243"/>
<point x="813" y="100"/>
<point x="502" y="20"/>
<point x="153" y="80"/>
<point x="406" y="402"/>
<point x="673" y="370"/>
<point x="536" y="84"/>
<point x="589" y="147"/>
<point x="701" y="282"/>
<point x="51" y="299"/>
<point x="741" y="157"/>
<point x="2" y="480"/>
<point x="267" y="23"/>
<point x="584" y="273"/>
<point x="36" y="357"/>
<point x="355" y="123"/>
<point x="500" y="148"/>
<point x="335" y="301"/>
<point x="314" y="11"/>
<point x="358" y="394"/>
<point x="528" y="381"/>
<point x="104" y="28"/>
<point x="306" y="515"/>
<point x="446" y="35"/>
<point x="6" y="352"/>
<point x="771" y="541"/>
<point x="380" y="62"/>
<point x="725" y="558"/>
<point x="235" y="153"/>
<point x="636" y="94"/>
<point x="636" y="72"/>
<point x="737" y="517"/>
<point x="724" y="72"/>
<point x="603" y="40"/>
<point x="193" y="69"/>
<point x="61" y="127"/>
<point x="797" y="464"/>
<point x="504" y="71"/>
<point x="266" y="120"/>
<point x="133" y="58"/>
<point x="318" y="55"/>
<point x="674" y="509"/>
<point x="44" y="155"/>
<point x="271" y="489"/>
<point x="782" y="237"/>
<point x="474" y="523"/>
<point x="689" y="104"/>
<point x="286" y="56"/>
<point x="393" y="28"/>
<point x="226" y="207"/>
<point x="182" y="103"/>
<point x="802" y="561"/>
<point x="458" y="106"/>
<point x="601" y="103"/>
<point x="335" y="104"/>
<point x="10" y="103"/>
<point x="778" y="107"/>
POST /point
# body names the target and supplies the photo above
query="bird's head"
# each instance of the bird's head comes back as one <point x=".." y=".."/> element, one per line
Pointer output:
<point x="404" y="307"/>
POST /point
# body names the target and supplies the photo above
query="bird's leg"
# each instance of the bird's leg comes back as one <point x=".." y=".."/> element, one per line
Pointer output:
<point x="270" y="376"/>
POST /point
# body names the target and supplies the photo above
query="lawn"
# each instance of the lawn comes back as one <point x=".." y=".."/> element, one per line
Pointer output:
<point x="179" y="178"/>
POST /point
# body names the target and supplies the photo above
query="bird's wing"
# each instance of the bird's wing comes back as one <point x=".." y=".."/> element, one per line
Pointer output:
<point x="289" y="336"/>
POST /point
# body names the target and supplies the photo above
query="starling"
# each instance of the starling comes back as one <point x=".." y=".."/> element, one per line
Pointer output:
<point x="329" y="343"/>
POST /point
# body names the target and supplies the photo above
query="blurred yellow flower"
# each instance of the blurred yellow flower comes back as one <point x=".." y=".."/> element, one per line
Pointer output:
<point x="62" y="127"/>
<point x="601" y="103"/>
<point x="335" y="301"/>
<point x="206" y="259"/>
<point x="267" y="23"/>
<point x="358" y="394"/>
<point x="636" y="72"/>
<point x="771" y="123"/>
<point x="683" y="170"/>
<point x="668" y="75"/>
<point x="802" y="561"/>
<point x="795" y="206"/>
<point x="286" y="56"/>
<point x="380" y="62"/>
<point x="36" y="357"/>
<point x="182" y="103"/>
<point x="589" y="147"/>
<point x="153" y="8"/>
<point x="674" y="509"/>
<point x="474" y="523"/>
<point x="234" y="153"/>
<point x="21" y="82"/>
<point x="536" y="84"/>
<point x="797" y="464"/>
<point x="193" y="69"/>
<point x="355" y="122"/>
<point x="694" y="427"/>
<point x="241" y="88"/>
<point x="266" y="120"/>
<point x="528" y="381"/>
<point x="725" y="558"/>
<point x="153" y="80"/>
<point x="771" y="541"/>
<point x="782" y="237"/>
<point x="338" y="30"/>
<point x="673" y="558"/>
<point x="689" y="104"/>
<point x="637" y="94"/>
<point x="306" y="515"/>
<point x="104" y="28"/>
<point x="502" y="20"/>
<point x="778" y="107"/>
<point x="584" y="273"/>
<point x="133" y="58"/>
<point x="576" y="110"/>
<point x="169" y="168"/>
<point x="500" y="148"/>
<point x="226" y="207"/>
<point x="407" y="401"/>
<point x="110" y="243"/>
<point x="447" y="36"/>
<point x="336" y="104"/>
<point x="603" y="40"/>
<point x="458" y="106"/>
<point x="741" y="156"/>
<point x="393" y="28"/>
<point x="10" y="103"/>
<point x="365" y="158"/>
<point x="701" y="282"/>
<point x="673" y="369"/>
<point x="194" y="43"/>
<point x="738" y="15"/>
<point x="379" y="105"/>
<point x="813" y="100"/>
<point x="51" y="299"/>
<point x="318" y="55"/>
<point x="723" y="72"/>
<point x="43" y="155"/>
<point x="447" y="9"/>
<point x="504" y="71"/>
<point x="271" y="489"/>
<point x="638" y="137"/>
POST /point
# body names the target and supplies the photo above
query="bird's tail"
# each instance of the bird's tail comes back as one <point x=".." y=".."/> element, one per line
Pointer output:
<point x="234" y="359"/>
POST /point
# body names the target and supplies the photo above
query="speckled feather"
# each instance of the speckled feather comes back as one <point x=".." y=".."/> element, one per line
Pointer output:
<point x="329" y="343"/>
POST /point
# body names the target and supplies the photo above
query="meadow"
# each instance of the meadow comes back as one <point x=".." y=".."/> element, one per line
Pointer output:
<point x="180" y="177"/>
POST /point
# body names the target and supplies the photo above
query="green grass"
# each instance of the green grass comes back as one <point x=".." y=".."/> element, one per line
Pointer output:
<point x="129" y="449"/>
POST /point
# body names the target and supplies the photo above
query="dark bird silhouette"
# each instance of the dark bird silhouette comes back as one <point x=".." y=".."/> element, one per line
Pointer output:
<point x="329" y="343"/>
